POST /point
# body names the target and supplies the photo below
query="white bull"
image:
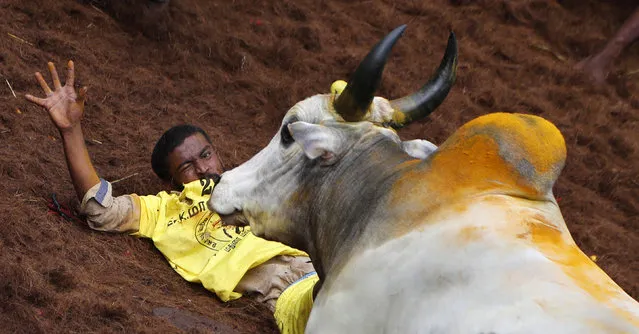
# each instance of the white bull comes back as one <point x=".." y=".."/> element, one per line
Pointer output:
<point x="468" y="240"/>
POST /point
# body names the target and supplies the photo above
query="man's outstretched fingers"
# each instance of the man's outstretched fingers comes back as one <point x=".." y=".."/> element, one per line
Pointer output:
<point x="36" y="100"/>
<point x="54" y="75"/>
<point x="70" y="74"/>
<point x="43" y="84"/>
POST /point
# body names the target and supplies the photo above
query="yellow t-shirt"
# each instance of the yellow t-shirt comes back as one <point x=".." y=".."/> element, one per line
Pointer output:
<point x="195" y="243"/>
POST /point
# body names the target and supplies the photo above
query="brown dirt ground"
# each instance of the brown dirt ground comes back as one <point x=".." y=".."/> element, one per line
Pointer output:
<point x="234" y="68"/>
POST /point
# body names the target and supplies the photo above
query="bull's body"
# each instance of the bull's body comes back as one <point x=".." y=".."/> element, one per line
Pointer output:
<point x="443" y="253"/>
<point x="468" y="239"/>
<point x="435" y="280"/>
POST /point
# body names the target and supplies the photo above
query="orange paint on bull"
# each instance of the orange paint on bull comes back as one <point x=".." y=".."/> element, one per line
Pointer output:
<point x="559" y="248"/>
<point x="512" y="154"/>
<point x="502" y="154"/>
<point x="501" y="150"/>
<point x="471" y="233"/>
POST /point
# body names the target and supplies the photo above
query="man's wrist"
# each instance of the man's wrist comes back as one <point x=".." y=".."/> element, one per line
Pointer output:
<point x="73" y="130"/>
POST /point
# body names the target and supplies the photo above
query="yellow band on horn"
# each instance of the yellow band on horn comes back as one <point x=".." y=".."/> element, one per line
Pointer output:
<point x="338" y="86"/>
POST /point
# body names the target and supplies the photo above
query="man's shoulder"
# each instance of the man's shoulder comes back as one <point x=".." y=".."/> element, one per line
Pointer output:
<point x="197" y="188"/>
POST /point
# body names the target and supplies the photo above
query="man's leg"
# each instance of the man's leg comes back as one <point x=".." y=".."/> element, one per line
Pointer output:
<point x="294" y="305"/>
<point x="285" y="284"/>
<point x="598" y="65"/>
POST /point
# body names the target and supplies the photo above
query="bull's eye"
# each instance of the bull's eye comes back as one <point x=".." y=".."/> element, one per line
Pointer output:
<point x="287" y="139"/>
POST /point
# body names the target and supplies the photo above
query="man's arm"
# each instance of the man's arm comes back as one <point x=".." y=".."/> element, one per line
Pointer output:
<point x="66" y="109"/>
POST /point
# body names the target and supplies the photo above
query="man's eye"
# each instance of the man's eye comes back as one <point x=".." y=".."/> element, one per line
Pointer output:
<point x="185" y="168"/>
<point x="205" y="155"/>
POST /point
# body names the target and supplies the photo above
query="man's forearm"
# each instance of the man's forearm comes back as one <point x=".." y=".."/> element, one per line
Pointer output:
<point x="83" y="175"/>
<point x="103" y="212"/>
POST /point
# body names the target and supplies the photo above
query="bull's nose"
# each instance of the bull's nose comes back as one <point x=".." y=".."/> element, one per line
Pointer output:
<point x="234" y="219"/>
<point x="222" y="198"/>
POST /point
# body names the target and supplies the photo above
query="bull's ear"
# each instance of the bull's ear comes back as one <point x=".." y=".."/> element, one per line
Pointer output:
<point x="418" y="148"/>
<point x="316" y="140"/>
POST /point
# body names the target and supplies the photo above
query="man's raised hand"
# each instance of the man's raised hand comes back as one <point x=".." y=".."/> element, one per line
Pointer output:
<point x="65" y="107"/>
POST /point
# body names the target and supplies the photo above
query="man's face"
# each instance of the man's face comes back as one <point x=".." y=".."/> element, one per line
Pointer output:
<point x="192" y="160"/>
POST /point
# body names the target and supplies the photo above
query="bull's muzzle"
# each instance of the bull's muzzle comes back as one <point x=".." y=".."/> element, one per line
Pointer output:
<point x="236" y="218"/>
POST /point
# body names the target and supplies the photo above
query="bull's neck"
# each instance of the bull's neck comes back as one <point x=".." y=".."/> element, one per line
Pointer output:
<point x="349" y="199"/>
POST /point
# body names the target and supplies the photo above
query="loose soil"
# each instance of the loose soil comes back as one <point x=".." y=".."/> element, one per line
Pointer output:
<point x="234" y="68"/>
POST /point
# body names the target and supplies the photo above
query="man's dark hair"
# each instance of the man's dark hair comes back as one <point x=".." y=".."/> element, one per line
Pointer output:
<point x="171" y="139"/>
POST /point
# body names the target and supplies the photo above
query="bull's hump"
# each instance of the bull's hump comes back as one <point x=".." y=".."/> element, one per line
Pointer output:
<point x="501" y="154"/>
<point x="515" y="153"/>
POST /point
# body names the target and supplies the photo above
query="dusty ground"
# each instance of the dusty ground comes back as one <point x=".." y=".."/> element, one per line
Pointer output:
<point x="234" y="68"/>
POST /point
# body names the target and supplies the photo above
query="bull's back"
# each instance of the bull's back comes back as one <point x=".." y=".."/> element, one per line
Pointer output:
<point x="515" y="154"/>
<point x="482" y="270"/>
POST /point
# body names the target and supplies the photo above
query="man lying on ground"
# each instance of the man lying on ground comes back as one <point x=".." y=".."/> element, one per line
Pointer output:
<point x="228" y="261"/>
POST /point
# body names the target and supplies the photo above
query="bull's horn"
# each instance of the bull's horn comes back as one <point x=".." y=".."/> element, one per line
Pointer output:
<point x="352" y="104"/>
<point x="424" y="101"/>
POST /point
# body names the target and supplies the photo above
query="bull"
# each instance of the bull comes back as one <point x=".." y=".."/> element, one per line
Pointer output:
<point x="467" y="238"/>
